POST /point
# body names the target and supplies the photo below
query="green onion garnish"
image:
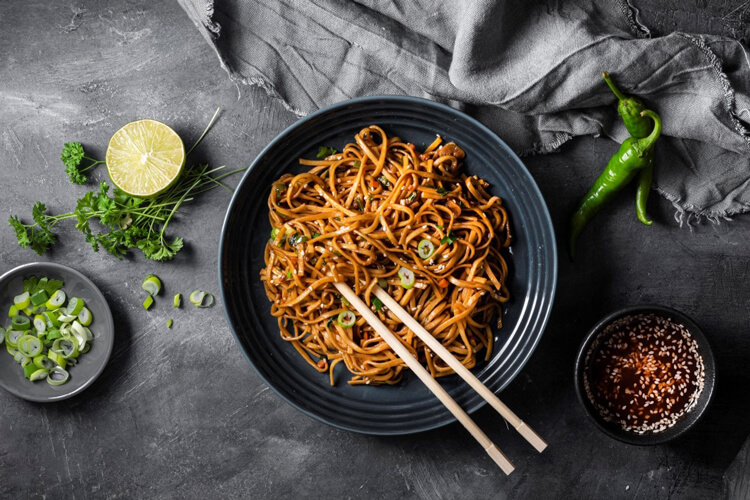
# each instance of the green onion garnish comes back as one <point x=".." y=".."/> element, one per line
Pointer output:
<point x="425" y="249"/>
<point x="152" y="285"/>
<point x="346" y="319"/>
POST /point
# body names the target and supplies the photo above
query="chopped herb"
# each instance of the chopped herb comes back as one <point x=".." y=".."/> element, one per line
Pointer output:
<point x="383" y="181"/>
<point x="315" y="235"/>
<point x="344" y="301"/>
<point x="337" y="253"/>
<point x="324" y="151"/>
<point x="377" y="303"/>
<point x="359" y="203"/>
<point x="442" y="191"/>
<point x="280" y="188"/>
<point x="369" y="197"/>
<point x="297" y="238"/>
<point x="288" y="275"/>
<point x="448" y="238"/>
<point x="329" y="322"/>
<point x="412" y="196"/>
<point x="440" y="227"/>
<point x="357" y="164"/>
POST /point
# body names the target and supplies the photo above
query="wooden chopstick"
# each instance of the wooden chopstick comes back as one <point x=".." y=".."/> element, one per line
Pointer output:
<point x="416" y="367"/>
<point x="527" y="432"/>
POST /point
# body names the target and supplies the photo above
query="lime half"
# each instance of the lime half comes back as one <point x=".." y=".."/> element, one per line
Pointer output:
<point x="144" y="158"/>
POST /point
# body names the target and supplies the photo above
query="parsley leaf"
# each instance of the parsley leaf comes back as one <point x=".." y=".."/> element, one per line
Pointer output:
<point x="324" y="151"/>
<point x="72" y="156"/>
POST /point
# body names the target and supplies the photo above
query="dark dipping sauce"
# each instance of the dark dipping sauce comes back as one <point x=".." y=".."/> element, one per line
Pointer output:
<point x="645" y="373"/>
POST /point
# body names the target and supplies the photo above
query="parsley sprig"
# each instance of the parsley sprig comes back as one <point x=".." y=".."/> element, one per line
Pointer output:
<point x="127" y="222"/>
<point x="72" y="157"/>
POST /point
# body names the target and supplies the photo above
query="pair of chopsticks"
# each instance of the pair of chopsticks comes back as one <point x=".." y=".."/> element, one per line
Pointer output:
<point x="493" y="451"/>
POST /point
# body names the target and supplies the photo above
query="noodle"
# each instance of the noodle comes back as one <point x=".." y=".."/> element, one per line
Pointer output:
<point x="358" y="217"/>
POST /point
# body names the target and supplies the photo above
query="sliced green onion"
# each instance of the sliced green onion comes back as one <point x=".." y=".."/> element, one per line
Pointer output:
<point x="39" y="298"/>
<point x="79" y="333"/>
<point x="148" y="302"/>
<point x="57" y="300"/>
<point x="425" y="249"/>
<point x="407" y="277"/>
<point x="22" y="301"/>
<point x="57" y="358"/>
<point x="68" y="348"/>
<point x="13" y="311"/>
<point x="177" y="300"/>
<point x="40" y="323"/>
<point x="12" y="351"/>
<point x="85" y="317"/>
<point x="75" y="306"/>
<point x="383" y="283"/>
<point x="39" y="374"/>
<point x="66" y="318"/>
<point x="274" y="233"/>
<point x="86" y="348"/>
<point x="346" y="319"/>
<point x="2" y="334"/>
<point x="53" y="334"/>
<point x="20" y="323"/>
<point x="42" y="361"/>
<point x="57" y="376"/>
<point x="377" y="303"/>
<point x="196" y="297"/>
<point x="152" y="284"/>
<point x="21" y="359"/>
<point x="12" y="336"/>
<point x="52" y="318"/>
<point x="199" y="298"/>
<point x="29" y="346"/>
<point x="28" y="369"/>
<point x="169" y="323"/>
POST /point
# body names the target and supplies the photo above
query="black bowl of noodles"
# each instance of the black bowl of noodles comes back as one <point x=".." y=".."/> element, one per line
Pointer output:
<point x="407" y="406"/>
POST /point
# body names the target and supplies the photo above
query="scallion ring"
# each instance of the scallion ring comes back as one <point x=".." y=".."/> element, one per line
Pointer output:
<point x="177" y="300"/>
<point x="56" y="301"/>
<point x="39" y="374"/>
<point x="425" y="249"/>
<point x="40" y="323"/>
<point x="75" y="306"/>
<point x="29" y="346"/>
<point x="67" y="347"/>
<point x="12" y="336"/>
<point x="22" y="301"/>
<point x="148" y="302"/>
<point x="152" y="284"/>
<point x="407" y="277"/>
<point x="20" y="323"/>
<point x="199" y="298"/>
<point x="346" y="319"/>
<point x="57" y="376"/>
<point x="85" y="317"/>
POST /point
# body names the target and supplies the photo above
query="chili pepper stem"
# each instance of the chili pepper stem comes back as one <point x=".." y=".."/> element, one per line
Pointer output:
<point x="612" y="86"/>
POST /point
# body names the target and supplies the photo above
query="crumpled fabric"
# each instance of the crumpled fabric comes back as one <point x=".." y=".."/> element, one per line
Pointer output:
<point x="531" y="71"/>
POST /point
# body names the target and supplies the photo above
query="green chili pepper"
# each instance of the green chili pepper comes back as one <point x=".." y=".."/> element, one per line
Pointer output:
<point x="644" y="188"/>
<point x="634" y="155"/>
<point x="630" y="109"/>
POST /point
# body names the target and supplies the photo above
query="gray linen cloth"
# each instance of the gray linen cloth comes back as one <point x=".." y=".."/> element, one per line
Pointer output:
<point x="529" y="70"/>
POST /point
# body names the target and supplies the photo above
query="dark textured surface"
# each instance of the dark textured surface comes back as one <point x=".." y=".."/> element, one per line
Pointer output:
<point x="180" y="414"/>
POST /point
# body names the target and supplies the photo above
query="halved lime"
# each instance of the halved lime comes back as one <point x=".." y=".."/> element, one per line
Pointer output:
<point x="144" y="158"/>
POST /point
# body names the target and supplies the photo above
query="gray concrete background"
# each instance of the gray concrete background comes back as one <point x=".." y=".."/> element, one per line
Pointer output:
<point x="180" y="414"/>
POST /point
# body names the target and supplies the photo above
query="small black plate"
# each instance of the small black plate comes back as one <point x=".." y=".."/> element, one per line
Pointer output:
<point x="690" y="419"/>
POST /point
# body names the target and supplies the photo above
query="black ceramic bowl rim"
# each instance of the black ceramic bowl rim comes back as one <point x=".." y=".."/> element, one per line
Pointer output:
<point x="540" y="301"/>
<point x="688" y="421"/>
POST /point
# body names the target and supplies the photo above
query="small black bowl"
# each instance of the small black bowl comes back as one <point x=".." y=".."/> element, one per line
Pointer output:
<point x="683" y="425"/>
